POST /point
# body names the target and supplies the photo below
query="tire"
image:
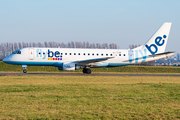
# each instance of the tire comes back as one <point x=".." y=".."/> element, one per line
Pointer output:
<point x="88" y="71"/>
<point x="24" y="71"/>
<point x="84" y="70"/>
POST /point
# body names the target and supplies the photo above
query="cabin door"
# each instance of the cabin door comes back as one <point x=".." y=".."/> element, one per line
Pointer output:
<point x="31" y="53"/>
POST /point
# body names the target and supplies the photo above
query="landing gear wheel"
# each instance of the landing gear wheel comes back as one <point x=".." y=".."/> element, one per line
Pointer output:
<point x="24" y="71"/>
<point x="88" y="71"/>
<point x="84" y="70"/>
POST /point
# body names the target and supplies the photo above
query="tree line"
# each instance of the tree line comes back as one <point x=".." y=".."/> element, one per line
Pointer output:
<point x="7" y="48"/>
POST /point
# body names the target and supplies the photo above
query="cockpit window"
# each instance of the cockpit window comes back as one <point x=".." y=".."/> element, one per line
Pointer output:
<point x="17" y="52"/>
<point x="14" y="52"/>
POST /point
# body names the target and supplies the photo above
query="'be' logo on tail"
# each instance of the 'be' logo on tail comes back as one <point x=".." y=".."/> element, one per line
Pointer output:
<point x="159" y="41"/>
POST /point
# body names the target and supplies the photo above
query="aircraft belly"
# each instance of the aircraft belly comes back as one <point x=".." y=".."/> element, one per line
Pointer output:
<point x="35" y="63"/>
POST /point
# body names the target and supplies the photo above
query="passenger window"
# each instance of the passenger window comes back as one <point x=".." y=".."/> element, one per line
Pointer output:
<point x="84" y="54"/>
<point x="39" y="53"/>
<point x="97" y="54"/>
<point x="74" y="53"/>
<point x="69" y="53"/>
<point x="65" y="53"/>
<point x="88" y="53"/>
<point x="106" y="54"/>
<point x="124" y="54"/>
<point x="111" y="54"/>
<point x="101" y="54"/>
<point x="93" y="54"/>
<point x="78" y="53"/>
<point x="61" y="53"/>
<point x="119" y="54"/>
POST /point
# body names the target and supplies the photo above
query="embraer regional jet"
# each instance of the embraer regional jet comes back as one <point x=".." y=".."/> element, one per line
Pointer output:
<point x="70" y="59"/>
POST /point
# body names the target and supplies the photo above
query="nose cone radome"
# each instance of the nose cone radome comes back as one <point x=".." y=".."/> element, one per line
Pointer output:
<point x="5" y="60"/>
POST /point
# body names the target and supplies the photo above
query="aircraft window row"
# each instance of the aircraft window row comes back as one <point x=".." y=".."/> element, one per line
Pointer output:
<point x="120" y="54"/>
<point x="19" y="52"/>
<point x="92" y="54"/>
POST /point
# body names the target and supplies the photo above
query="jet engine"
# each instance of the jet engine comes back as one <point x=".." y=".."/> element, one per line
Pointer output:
<point x="69" y="66"/>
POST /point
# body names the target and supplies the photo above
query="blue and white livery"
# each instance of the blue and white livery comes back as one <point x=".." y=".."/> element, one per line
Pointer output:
<point x="69" y="59"/>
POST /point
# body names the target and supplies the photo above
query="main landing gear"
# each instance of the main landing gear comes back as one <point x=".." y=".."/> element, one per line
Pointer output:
<point x="87" y="70"/>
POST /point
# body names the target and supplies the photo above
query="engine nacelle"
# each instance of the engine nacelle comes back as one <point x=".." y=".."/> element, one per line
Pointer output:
<point x="69" y="66"/>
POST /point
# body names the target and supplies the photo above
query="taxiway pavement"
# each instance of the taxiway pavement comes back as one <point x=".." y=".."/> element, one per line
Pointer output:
<point x="93" y="74"/>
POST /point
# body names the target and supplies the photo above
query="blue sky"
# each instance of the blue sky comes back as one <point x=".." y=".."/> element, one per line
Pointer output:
<point x="123" y="22"/>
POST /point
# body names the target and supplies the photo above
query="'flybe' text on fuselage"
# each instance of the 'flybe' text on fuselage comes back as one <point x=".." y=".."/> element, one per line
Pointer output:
<point x="51" y="55"/>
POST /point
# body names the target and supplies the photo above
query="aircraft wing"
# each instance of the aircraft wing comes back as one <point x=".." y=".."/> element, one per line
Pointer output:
<point x="94" y="60"/>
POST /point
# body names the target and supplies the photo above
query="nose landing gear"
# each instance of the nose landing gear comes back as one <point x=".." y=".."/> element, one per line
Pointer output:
<point x="24" y="71"/>
<point x="24" y="66"/>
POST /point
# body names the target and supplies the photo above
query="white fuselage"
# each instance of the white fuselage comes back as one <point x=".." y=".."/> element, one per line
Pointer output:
<point x="39" y="56"/>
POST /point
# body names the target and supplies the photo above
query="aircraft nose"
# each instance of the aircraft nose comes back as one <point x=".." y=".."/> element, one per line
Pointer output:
<point x="5" y="60"/>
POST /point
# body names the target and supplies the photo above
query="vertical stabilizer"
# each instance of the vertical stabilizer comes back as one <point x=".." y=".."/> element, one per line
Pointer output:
<point x="157" y="43"/>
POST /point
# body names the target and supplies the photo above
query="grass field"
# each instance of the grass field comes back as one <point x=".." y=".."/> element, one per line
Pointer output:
<point x="125" y="69"/>
<point x="90" y="97"/>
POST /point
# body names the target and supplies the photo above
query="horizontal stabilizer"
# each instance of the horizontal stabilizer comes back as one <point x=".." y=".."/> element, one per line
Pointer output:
<point x="159" y="54"/>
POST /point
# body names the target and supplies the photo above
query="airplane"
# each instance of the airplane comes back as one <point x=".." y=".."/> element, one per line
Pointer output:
<point x="70" y="59"/>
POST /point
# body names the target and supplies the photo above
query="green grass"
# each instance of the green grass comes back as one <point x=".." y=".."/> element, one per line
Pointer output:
<point x="125" y="69"/>
<point x="90" y="97"/>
